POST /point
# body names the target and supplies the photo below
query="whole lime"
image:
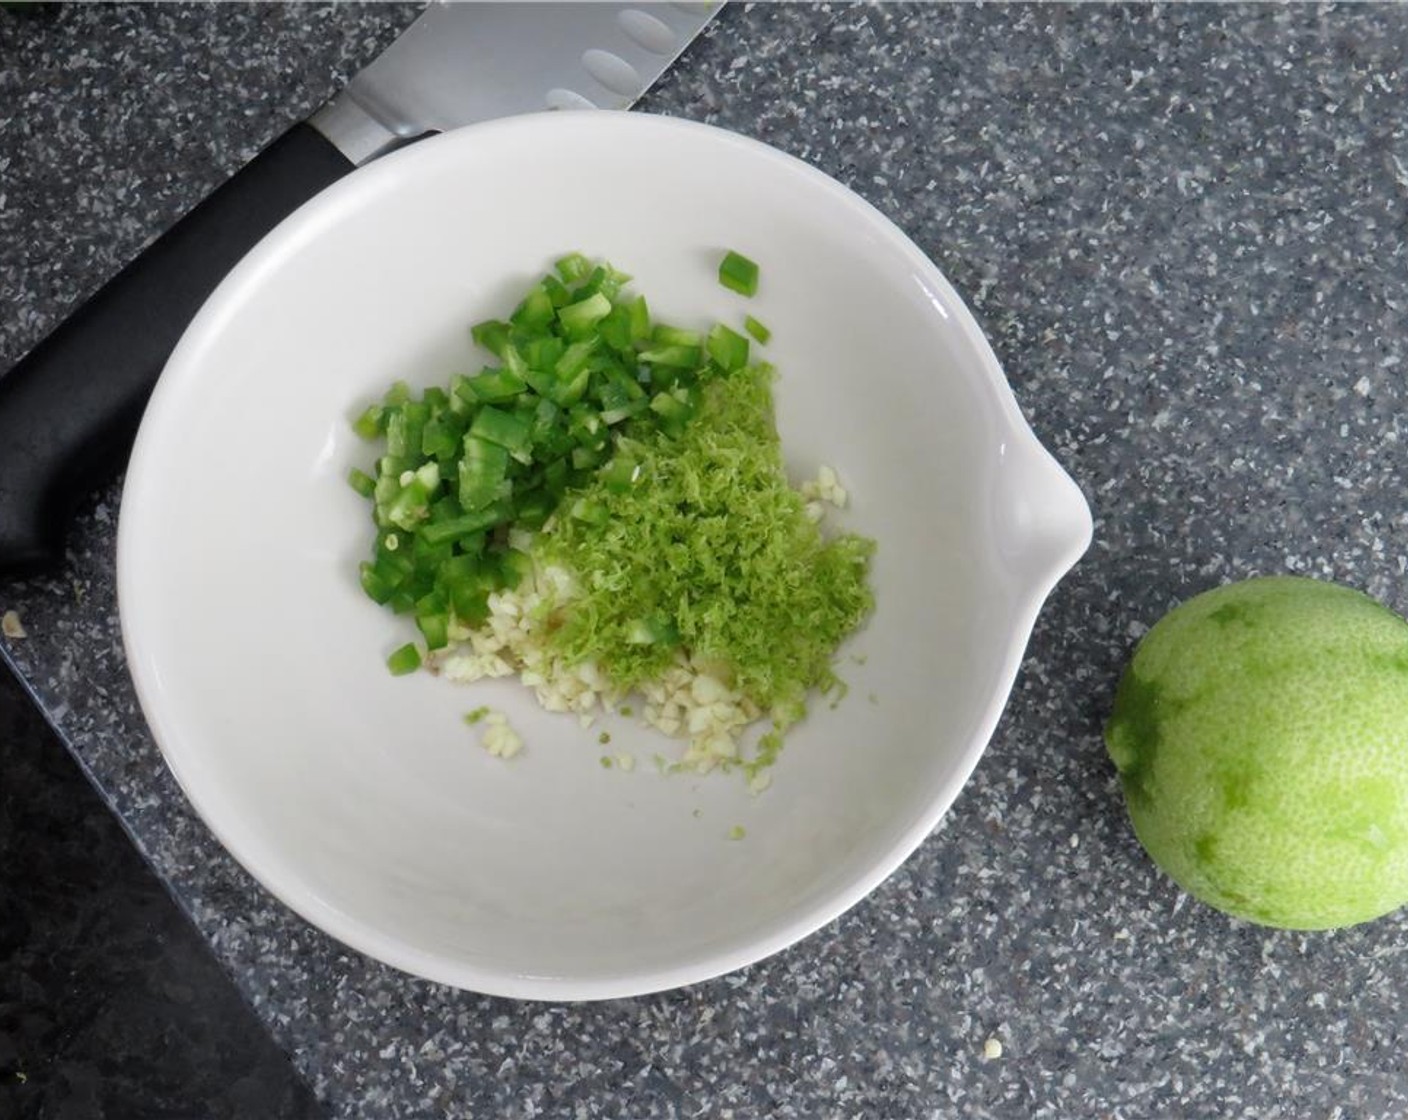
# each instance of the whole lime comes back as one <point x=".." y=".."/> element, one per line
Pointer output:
<point x="1261" y="736"/>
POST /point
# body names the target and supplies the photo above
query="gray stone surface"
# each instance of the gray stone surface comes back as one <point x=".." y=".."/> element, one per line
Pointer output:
<point x="1183" y="229"/>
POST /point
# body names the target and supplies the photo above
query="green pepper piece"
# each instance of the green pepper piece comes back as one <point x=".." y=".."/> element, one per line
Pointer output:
<point x="398" y="394"/>
<point x="738" y="273"/>
<point x="440" y="437"/>
<point x="371" y="423"/>
<point x="665" y="335"/>
<point x="496" y="384"/>
<point x="492" y="334"/>
<point x="676" y="356"/>
<point x="535" y="312"/>
<point x="405" y="660"/>
<point x="377" y="587"/>
<point x="361" y="482"/>
<point x="573" y="267"/>
<point x="728" y="348"/>
<point x="507" y="429"/>
<point x="579" y="318"/>
<point x="574" y="359"/>
<point x="433" y="620"/>
<point x="557" y="291"/>
<point x="543" y="353"/>
<point x="483" y="472"/>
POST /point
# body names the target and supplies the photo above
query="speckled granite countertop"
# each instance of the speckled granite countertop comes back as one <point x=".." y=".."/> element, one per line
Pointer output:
<point x="1183" y="229"/>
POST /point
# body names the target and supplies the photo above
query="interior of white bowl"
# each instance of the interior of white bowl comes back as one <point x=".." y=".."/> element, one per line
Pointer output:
<point x="363" y="800"/>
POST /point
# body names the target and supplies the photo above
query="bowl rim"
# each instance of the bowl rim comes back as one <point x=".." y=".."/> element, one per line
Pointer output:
<point x="279" y="878"/>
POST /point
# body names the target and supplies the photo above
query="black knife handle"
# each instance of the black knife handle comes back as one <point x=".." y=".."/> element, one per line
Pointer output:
<point x="70" y="408"/>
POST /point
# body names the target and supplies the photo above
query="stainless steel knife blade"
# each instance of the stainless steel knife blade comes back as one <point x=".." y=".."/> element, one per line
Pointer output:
<point x="462" y="62"/>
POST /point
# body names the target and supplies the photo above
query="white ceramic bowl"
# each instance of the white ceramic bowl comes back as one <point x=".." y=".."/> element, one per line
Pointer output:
<point x="362" y="800"/>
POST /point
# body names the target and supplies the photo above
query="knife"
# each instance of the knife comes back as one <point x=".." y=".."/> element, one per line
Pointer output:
<point x="70" y="408"/>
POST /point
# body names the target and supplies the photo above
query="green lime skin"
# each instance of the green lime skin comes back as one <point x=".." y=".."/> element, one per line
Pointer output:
<point x="1261" y="737"/>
